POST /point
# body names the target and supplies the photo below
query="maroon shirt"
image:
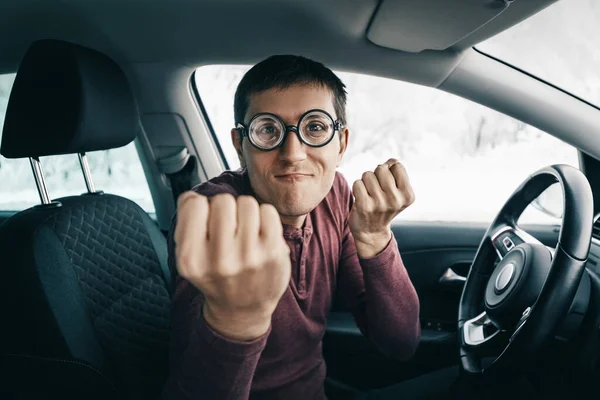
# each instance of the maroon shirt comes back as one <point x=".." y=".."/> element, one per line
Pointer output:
<point x="287" y="362"/>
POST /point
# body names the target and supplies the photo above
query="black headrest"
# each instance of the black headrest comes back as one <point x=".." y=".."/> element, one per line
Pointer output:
<point x="67" y="99"/>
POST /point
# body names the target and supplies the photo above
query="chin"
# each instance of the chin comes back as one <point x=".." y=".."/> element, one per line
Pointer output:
<point x="295" y="210"/>
<point x="295" y="207"/>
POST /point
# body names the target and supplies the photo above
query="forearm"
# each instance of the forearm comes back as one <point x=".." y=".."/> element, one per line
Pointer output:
<point x="203" y="363"/>
<point x="391" y="303"/>
<point x="213" y="367"/>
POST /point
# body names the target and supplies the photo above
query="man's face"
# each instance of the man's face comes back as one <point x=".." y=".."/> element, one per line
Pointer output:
<point x="294" y="177"/>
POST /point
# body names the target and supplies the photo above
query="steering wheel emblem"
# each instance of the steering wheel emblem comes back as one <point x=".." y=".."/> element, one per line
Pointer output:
<point x="504" y="277"/>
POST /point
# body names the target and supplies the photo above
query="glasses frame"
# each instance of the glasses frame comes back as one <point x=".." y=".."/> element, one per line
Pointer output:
<point x="244" y="129"/>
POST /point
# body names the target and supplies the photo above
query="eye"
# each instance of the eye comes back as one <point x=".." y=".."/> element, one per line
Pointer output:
<point x="316" y="127"/>
<point x="265" y="131"/>
<point x="268" y="130"/>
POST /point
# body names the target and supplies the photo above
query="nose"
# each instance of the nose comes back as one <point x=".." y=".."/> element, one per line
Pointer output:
<point x="292" y="150"/>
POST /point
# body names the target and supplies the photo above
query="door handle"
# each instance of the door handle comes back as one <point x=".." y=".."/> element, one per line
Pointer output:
<point x="451" y="278"/>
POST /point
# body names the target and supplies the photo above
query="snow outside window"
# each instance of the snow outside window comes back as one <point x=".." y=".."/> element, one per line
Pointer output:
<point x="464" y="160"/>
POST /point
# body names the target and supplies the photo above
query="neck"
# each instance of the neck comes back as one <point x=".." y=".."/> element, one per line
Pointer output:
<point x="293" y="220"/>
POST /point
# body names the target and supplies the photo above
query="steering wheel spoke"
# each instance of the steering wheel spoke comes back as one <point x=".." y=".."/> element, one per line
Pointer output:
<point x="520" y="324"/>
<point x="507" y="237"/>
<point x="483" y="337"/>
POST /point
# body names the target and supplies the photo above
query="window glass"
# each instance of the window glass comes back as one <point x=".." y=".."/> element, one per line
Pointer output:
<point x="116" y="171"/>
<point x="464" y="160"/>
<point x="559" y="44"/>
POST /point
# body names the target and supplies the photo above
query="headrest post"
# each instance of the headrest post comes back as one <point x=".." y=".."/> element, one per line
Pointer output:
<point x="87" y="175"/>
<point x="39" y="179"/>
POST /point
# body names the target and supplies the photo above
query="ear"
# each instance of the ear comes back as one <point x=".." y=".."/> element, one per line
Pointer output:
<point x="237" y="140"/>
<point x="344" y="134"/>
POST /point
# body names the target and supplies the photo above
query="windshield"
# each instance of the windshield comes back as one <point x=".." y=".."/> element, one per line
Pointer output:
<point x="559" y="45"/>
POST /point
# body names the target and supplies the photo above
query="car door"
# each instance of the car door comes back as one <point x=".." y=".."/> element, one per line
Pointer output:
<point x="4" y="215"/>
<point x="437" y="256"/>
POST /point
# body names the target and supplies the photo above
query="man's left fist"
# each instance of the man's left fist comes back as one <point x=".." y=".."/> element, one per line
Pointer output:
<point x="378" y="197"/>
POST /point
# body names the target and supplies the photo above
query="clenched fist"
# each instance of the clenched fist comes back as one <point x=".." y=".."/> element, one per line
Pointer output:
<point x="234" y="252"/>
<point x="378" y="197"/>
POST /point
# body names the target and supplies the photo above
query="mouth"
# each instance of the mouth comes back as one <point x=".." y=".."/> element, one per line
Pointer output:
<point x="292" y="176"/>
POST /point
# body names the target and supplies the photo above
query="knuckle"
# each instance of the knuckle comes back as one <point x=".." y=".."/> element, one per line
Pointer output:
<point x="268" y="212"/>
<point x="247" y="202"/>
<point x="285" y="248"/>
<point x="223" y="200"/>
<point x="398" y="165"/>
<point x="367" y="175"/>
<point x="185" y="266"/>
<point x="190" y="201"/>
<point x="399" y="171"/>
<point x="253" y="262"/>
<point x="381" y="168"/>
<point x="281" y="246"/>
<point x="222" y="204"/>
<point x="223" y="270"/>
<point x="382" y="173"/>
<point x="267" y="207"/>
<point x="397" y="198"/>
<point x="368" y="207"/>
<point x="398" y="204"/>
<point x="183" y="259"/>
<point x="280" y="254"/>
<point x="271" y="253"/>
<point x="185" y="196"/>
<point x="275" y="247"/>
<point x="178" y="233"/>
<point x="183" y="271"/>
<point x="185" y="275"/>
<point x="270" y="222"/>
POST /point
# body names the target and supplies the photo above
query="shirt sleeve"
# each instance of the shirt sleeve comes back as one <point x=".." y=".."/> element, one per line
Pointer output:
<point x="202" y="363"/>
<point x="379" y="293"/>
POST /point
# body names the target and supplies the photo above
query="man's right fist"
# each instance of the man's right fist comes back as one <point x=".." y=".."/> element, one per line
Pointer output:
<point x="234" y="252"/>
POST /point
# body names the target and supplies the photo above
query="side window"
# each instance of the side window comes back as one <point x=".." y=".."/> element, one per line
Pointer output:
<point x="464" y="160"/>
<point x="116" y="171"/>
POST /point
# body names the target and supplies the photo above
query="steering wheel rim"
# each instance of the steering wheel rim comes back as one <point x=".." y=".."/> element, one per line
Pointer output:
<point x="526" y="272"/>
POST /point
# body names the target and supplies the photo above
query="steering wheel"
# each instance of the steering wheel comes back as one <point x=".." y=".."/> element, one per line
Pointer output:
<point x="509" y="309"/>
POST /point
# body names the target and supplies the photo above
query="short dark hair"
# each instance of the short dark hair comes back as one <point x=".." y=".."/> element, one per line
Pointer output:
<point x="282" y="72"/>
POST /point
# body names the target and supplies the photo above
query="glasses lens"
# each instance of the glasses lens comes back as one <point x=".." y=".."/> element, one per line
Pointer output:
<point x="316" y="128"/>
<point x="266" y="132"/>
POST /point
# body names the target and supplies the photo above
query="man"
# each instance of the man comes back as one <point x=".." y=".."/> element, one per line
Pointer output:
<point x="258" y="254"/>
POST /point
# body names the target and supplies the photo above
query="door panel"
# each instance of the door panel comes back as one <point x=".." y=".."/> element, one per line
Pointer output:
<point x="4" y="215"/>
<point x="428" y="250"/>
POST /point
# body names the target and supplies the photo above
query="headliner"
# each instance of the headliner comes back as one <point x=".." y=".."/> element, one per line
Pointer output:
<point x="193" y="33"/>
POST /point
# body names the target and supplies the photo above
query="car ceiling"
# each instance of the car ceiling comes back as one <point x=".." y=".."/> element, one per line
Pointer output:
<point x="159" y="43"/>
<point x="369" y="36"/>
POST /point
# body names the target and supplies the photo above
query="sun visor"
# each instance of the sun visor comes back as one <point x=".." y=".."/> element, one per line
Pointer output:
<point x="417" y="25"/>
